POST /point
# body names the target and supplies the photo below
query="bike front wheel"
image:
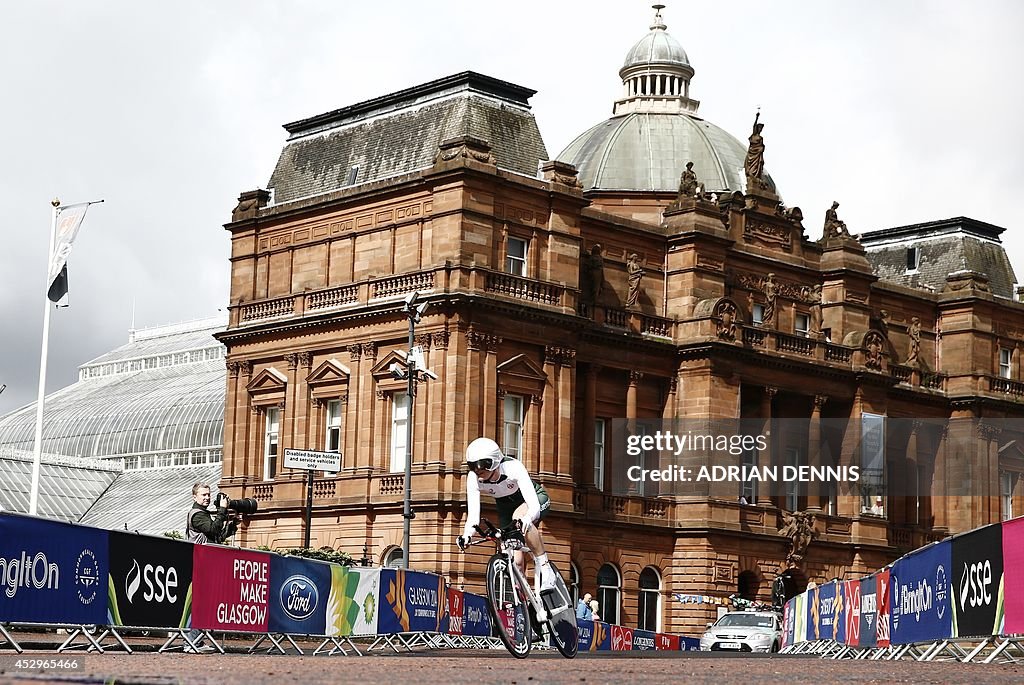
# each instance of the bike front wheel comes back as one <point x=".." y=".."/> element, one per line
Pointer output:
<point x="508" y="611"/>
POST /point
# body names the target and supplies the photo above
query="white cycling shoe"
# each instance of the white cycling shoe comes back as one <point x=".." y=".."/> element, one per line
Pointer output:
<point x="547" y="578"/>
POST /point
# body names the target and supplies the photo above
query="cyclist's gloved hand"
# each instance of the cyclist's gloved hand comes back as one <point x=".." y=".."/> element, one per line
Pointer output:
<point x="525" y="524"/>
<point x="462" y="541"/>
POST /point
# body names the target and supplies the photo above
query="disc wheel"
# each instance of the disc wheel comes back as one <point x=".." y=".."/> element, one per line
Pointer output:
<point x="561" y="617"/>
<point x="508" y="613"/>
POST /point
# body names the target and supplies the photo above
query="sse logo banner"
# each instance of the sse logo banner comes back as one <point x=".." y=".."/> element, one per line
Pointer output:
<point x="977" y="580"/>
<point x="150" y="581"/>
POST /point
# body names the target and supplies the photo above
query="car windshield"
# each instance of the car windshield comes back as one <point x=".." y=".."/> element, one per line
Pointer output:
<point x="745" y="621"/>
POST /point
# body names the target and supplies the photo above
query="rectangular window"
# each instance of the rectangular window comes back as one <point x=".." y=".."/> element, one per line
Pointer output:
<point x="793" y="486"/>
<point x="1007" y="481"/>
<point x="758" y="314"/>
<point x="599" y="453"/>
<point x="1005" y="355"/>
<point x="270" y="442"/>
<point x="512" y="429"/>
<point x="399" y="430"/>
<point x="913" y="259"/>
<point x="872" y="460"/>
<point x="515" y="259"/>
<point x="803" y="324"/>
<point x="748" y="488"/>
<point x="332" y="441"/>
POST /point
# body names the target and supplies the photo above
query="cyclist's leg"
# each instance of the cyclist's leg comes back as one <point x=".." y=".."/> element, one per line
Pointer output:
<point x="534" y="540"/>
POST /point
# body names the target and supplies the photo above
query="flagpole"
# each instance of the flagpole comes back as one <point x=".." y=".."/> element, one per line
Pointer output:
<point x="37" y="459"/>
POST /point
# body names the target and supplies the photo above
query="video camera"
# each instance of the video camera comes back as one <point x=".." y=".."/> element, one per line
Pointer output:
<point x="245" y="506"/>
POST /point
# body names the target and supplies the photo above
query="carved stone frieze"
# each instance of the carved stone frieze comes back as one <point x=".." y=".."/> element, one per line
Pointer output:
<point x="779" y="235"/>
<point x="292" y="359"/>
<point x="564" y="356"/>
<point x="355" y="352"/>
<point x="441" y="340"/>
<point x="725" y="313"/>
<point x="306" y="359"/>
<point x="467" y="147"/>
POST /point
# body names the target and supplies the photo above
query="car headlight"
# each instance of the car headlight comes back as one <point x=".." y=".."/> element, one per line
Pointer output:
<point x="761" y="637"/>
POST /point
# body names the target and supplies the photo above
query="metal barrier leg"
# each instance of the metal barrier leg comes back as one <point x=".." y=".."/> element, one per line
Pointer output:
<point x="9" y="640"/>
<point x="90" y="642"/>
<point x="109" y="630"/>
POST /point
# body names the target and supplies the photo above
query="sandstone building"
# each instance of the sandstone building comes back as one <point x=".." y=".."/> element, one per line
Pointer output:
<point x="566" y="293"/>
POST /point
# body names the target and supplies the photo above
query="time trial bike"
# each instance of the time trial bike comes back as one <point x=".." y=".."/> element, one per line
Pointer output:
<point x="516" y="609"/>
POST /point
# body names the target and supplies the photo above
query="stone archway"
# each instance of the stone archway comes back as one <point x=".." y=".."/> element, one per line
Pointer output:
<point x="748" y="584"/>
<point x="790" y="583"/>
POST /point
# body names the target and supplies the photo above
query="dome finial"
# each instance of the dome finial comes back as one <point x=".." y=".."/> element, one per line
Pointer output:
<point x="659" y="23"/>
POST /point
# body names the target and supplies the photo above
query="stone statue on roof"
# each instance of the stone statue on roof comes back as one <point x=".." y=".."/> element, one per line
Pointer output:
<point x="834" y="227"/>
<point x="754" y="163"/>
<point x="688" y="182"/>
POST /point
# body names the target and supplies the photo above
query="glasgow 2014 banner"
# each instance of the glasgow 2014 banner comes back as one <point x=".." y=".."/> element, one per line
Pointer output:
<point x="410" y="601"/>
<point x="52" y="572"/>
<point x="150" y="581"/>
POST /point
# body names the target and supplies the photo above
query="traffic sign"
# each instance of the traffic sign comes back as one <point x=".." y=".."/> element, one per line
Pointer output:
<point x="312" y="461"/>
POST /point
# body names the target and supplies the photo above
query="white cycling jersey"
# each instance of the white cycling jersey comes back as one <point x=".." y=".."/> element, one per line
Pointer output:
<point x="511" y="480"/>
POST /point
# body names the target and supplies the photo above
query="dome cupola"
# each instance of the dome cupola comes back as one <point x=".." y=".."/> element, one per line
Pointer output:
<point x="656" y="74"/>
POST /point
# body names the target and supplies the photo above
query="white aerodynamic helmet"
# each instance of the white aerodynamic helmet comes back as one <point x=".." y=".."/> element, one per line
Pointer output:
<point x="483" y="453"/>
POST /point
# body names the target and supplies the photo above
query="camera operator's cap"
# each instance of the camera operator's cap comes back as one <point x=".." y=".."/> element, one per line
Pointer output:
<point x="483" y="453"/>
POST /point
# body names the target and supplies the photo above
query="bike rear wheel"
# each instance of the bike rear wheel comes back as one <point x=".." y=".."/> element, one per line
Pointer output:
<point x="508" y="611"/>
<point x="561" y="617"/>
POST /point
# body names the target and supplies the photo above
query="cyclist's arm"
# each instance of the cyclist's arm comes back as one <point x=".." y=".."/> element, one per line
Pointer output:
<point x="514" y="469"/>
<point x="473" y="502"/>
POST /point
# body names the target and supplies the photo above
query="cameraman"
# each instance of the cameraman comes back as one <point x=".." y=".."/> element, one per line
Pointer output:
<point x="201" y="526"/>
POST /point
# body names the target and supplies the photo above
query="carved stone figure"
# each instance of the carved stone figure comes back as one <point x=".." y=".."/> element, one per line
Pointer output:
<point x="726" y="313"/>
<point x="812" y="296"/>
<point x="593" y="271"/>
<point x="688" y="182"/>
<point x="798" y="526"/>
<point x="634" y="271"/>
<point x="873" y="346"/>
<point x="834" y="227"/>
<point x="754" y="163"/>
<point x="771" y="292"/>
<point x="914" y="331"/>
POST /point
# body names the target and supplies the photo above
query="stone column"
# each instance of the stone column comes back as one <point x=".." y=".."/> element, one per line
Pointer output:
<point x="231" y="454"/>
<point x="422" y="453"/>
<point x="357" y="457"/>
<point x="912" y="513"/>
<point x="816" y="499"/>
<point x="631" y="410"/>
<point x="765" y="457"/>
<point x="565" y="419"/>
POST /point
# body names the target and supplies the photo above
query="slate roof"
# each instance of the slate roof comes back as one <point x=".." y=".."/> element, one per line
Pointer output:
<point x="399" y="133"/>
<point x="150" y="501"/>
<point x="945" y="246"/>
<point x="67" y="487"/>
<point x="162" y="392"/>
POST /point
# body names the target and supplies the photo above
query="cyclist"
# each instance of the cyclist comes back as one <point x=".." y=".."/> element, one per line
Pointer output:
<point x="517" y="497"/>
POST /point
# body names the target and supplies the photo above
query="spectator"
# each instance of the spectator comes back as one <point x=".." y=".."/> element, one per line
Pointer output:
<point x="583" y="611"/>
<point x="593" y="610"/>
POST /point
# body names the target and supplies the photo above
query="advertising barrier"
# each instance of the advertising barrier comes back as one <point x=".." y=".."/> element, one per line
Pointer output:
<point x="868" y="612"/>
<point x="585" y="632"/>
<point x="52" y="572"/>
<point x="357" y="598"/>
<point x="882" y="598"/>
<point x="299" y="593"/>
<point x="410" y="601"/>
<point x="977" y="580"/>
<point x="456" y="611"/>
<point x="643" y="640"/>
<point x="1013" y="576"/>
<point x="477" y="622"/>
<point x="920" y="595"/>
<point x="664" y="642"/>
<point x="602" y="639"/>
<point x="230" y="589"/>
<point x="150" y="581"/>
<point x="622" y="639"/>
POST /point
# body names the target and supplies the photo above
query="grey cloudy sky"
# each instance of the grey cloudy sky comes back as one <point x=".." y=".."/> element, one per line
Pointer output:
<point x="904" y="111"/>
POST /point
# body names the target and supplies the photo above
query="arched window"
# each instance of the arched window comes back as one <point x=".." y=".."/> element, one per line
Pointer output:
<point x="748" y="584"/>
<point x="609" y="585"/>
<point x="394" y="558"/>
<point x="649" y="600"/>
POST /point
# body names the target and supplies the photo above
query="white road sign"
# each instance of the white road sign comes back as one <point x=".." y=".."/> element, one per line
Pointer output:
<point x="312" y="461"/>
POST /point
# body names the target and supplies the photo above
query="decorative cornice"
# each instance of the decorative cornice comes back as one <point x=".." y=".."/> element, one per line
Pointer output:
<point x="564" y="356"/>
<point x="292" y="359"/>
<point x="441" y="340"/>
<point x="355" y="351"/>
<point x="306" y="359"/>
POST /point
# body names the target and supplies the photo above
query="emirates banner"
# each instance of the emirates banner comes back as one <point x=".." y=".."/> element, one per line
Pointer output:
<point x="1013" y="564"/>
<point x="456" y="611"/>
<point x="665" y="641"/>
<point x="978" y="582"/>
<point x="410" y="601"/>
<point x="882" y="600"/>
<point x="868" y="612"/>
<point x="477" y="620"/>
<point x="231" y="589"/>
<point x="150" y="581"/>
<point x="851" y="611"/>
<point x="920" y="595"/>
<point x="52" y="572"/>
<point x="299" y="590"/>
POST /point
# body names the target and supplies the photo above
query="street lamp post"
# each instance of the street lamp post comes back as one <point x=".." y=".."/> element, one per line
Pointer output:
<point x="414" y="313"/>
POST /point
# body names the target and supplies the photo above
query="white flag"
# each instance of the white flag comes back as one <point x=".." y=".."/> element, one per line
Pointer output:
<point x="69" y="219"/>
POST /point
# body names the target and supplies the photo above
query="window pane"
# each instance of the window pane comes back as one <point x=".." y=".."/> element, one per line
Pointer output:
<point x="512" y="433"/>
<point x="599" y="427"/>
<point x="399" y="423"/>
<point x="270" y="443"/>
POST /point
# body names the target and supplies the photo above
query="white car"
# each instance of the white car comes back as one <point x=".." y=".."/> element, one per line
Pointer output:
<point x="744" y="631"/>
